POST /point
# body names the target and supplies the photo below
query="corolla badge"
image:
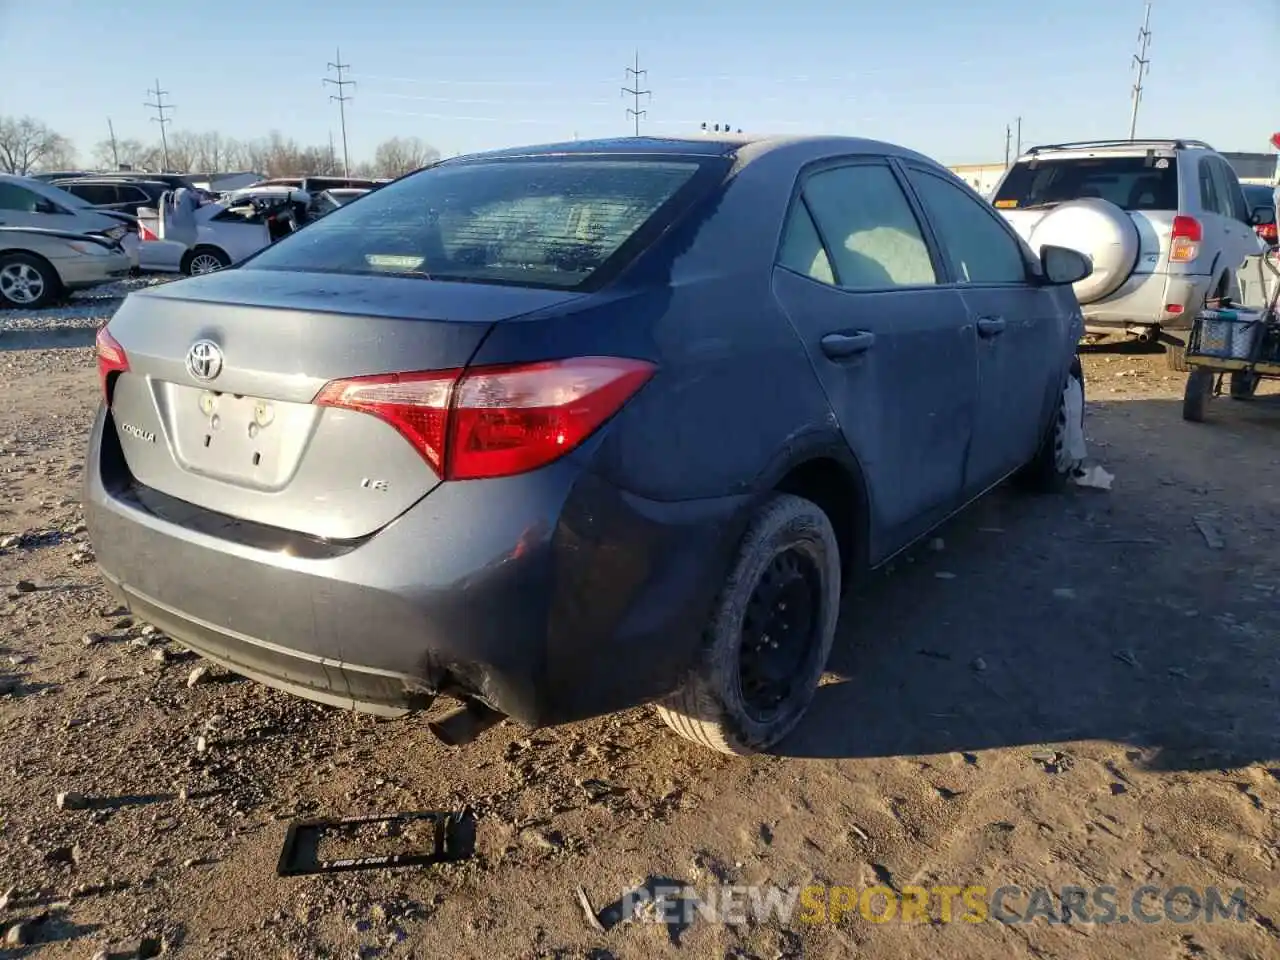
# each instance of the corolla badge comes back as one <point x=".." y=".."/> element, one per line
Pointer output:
<point x="146" y="436"/>
<point x="204" y="360"/>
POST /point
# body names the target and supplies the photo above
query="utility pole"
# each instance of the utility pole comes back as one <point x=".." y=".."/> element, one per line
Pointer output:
<point x="633" y="76"/>
<point x="342" y="98"/>
<point x="1008" y="138"/>
<point x="160" y="107"/>
<point x="1019" y="153"/>
<point x="1143" y="64"/>
<point x="115" y="154"/>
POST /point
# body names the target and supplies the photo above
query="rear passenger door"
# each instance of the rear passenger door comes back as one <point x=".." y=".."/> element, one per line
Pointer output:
<point x="1215" y="216"/>
<point x="1241" y="238"/>
<point x="893" y="347"/>
<point x="1021" y="326"/>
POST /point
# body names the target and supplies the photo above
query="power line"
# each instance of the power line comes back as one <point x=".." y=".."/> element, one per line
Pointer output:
<point x="160" y="107"/>
<point x="633" y="76"/>
<point x="342" y="98"/>
<point x="1143" y="63"/>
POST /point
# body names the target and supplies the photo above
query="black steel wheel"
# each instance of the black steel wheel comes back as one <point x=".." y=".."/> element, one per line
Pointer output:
<point x="767" y="643"/>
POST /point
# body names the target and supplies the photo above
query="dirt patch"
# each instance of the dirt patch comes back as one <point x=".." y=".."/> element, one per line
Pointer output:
<point x="1067" y="691"/>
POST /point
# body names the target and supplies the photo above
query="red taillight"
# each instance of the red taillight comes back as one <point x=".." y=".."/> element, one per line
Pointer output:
<point x="1185" y="240"/>
<point x="495" y="421"/>
<point x="1267" y="232"/>
<point x="111" y="359"/>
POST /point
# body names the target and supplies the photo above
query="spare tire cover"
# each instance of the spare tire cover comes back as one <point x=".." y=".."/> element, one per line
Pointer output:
<point x="1100" y="230"/>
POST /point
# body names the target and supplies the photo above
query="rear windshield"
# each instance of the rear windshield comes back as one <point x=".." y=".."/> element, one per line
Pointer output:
<point x="1131" y="183"/>
<point x="529" y="221"/>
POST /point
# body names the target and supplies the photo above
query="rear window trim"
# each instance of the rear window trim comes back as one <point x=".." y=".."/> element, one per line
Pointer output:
<point x="710" y="172"/>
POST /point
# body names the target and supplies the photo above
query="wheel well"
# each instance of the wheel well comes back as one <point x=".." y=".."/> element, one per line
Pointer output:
<point x="206" y="248"/>
<point x="31" y="254"/>
<point x="840" y="494"/>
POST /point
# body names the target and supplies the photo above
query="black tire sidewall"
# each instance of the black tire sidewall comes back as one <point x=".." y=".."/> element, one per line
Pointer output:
<point x="785" y="522"/>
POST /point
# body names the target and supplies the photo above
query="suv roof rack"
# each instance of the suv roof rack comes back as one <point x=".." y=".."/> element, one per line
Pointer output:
<point x="1174" y="143"/>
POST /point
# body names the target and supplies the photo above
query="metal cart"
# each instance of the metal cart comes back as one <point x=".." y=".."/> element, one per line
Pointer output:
<point x="1236" y="342"/>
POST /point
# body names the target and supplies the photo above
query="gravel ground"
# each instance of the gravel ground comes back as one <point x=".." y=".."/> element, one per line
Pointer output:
<point x="58" y="325"/>
<point x="1067" y="690"/>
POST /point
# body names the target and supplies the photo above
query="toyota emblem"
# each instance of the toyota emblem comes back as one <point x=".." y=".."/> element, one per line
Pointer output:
<point x="204" y="360"/>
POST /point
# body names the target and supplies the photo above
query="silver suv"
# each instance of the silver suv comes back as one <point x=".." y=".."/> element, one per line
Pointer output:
<point x="1165" y="222"/>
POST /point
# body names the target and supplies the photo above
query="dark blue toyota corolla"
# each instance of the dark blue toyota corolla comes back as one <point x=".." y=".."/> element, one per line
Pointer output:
<point x="562" y="430"/>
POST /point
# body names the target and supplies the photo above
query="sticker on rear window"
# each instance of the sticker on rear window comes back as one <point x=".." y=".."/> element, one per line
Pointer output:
<point x="1006" y="204"/>
<point x="1162" y="164"/>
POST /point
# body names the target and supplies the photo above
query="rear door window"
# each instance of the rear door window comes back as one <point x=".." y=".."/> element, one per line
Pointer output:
<point x="558" y="222"/>
<point x="975" y="241"/>
<point x="98" y="194"/>
<point x="1211" y="199"/>
<point x="1131" y="183"/>
<point x="869" y="227"/>
<point x="1229" y="190"/>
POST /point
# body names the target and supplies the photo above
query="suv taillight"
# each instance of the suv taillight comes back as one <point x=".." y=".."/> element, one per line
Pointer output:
<point x="111" y="359"/>
<point x="495" y="421"/>
<point x="1184" y="243"/>
<point x="1267" y="232"/>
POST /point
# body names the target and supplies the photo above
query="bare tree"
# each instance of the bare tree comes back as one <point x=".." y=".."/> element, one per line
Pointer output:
<point x="184" y="148"/>
<point x="26" y="145"/>
<point x="127" y="152"/>
<point x="401" y="155"/>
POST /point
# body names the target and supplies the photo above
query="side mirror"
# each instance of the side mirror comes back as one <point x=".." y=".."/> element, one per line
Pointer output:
<point x="1062" y="266"/>
<point x="1262" y="217"/>
<point x="46" y="206"/>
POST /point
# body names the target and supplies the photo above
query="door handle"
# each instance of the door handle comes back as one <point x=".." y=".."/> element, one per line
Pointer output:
<point x="839" y="346"/>
<point x="990" y="326"/>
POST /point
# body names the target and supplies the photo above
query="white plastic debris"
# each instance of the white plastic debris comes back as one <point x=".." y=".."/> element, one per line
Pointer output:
<point x="1074" y="440"/>
<point x="1095" y="477"/>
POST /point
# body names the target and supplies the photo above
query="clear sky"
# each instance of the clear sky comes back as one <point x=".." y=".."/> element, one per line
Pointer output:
<point x="943" y="77"/>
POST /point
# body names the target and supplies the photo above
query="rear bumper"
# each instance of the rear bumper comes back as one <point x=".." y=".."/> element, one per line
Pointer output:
<point x="552" y="596"/>
<point x="1145" y="300"/>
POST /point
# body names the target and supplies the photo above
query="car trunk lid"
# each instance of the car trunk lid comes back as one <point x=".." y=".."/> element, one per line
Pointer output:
<point x="216" y="407"/>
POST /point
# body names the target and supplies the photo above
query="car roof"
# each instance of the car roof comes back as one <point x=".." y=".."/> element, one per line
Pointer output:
<point x="744" y="148"/>
<point x="113" y="180"/>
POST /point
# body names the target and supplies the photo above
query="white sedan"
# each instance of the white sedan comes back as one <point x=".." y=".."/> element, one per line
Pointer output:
<point x="223" y="236"/>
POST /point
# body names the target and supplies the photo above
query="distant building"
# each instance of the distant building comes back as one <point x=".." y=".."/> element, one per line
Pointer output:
<point x="983" y="177"/>
<point x="1255" y="167"/>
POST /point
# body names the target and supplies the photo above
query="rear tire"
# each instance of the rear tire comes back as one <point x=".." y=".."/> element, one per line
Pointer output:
<point x="1195" y="398"/>
<point x="204" y="259"/>
<point x="767" y="643"/>
<point x="1050" y="469"/>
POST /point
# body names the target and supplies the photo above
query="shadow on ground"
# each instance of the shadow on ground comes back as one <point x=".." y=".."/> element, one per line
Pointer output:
<point x="47" y="339"/>
<point x="1085" y="616"/>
